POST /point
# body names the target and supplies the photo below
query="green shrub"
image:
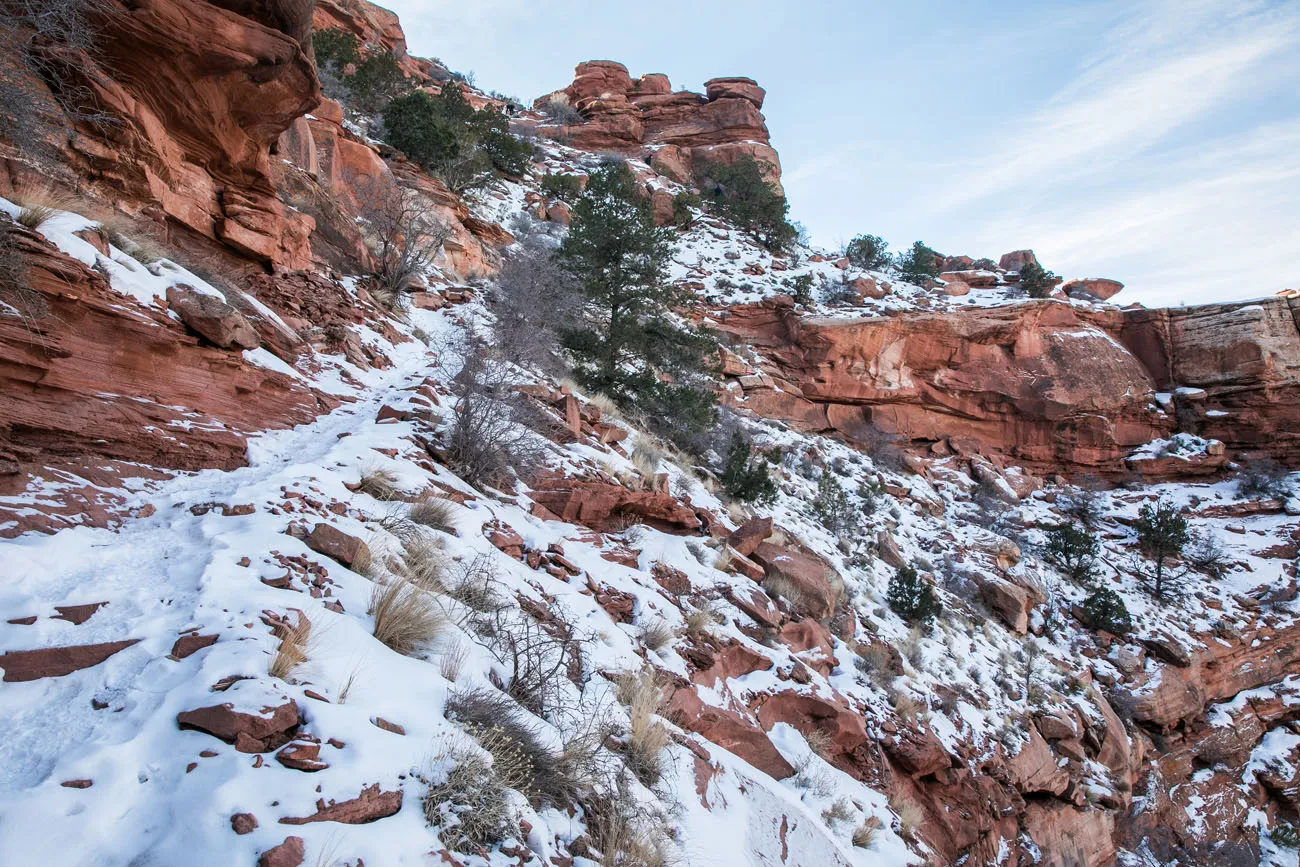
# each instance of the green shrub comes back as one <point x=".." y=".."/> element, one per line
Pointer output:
<point x="1105" y="610"/>
<point x="868" y="252"/>
<point x="831" y="505"/>
<point x="743" y="477"/>
<point x="918" y="264"/>
<point x="449" y="137"/>
<point x="685" y="204"/>
<point x="742" y="193"/>
<point x="377" y="81"/>
<point x="1037" y="281"/>
<point x="336" y="48"/>
<point x="911" y="597"/>
<point x="1073" y="550"/>
<point x="566" y="188"/>
<point x="801" y="289"/>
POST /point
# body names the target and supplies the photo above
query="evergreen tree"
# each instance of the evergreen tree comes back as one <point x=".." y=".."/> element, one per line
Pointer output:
<point x="1073" y="550"/>
<point x="1162" y="533"/>
<point x="832" y="504"/>
<point x="742" y="192"/>
<point x="918" y="263"/>
<point x="377" y="81"/>
<point x="628" y="346"/>
<point x="1037" y="281"/>
<point x="911" y="597"/>
<point x="867" y="252"/>
<point x="745" y="478"/>
<point x="1104" y="609"/>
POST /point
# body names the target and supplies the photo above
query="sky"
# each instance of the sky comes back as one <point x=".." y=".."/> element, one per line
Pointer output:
<point x="1156" y="142"/>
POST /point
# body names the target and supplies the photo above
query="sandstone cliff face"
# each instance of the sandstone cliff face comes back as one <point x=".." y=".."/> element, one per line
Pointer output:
<point x="199" y="92"/>
<point x="89" y="379"/>
<point x="675" y="131"/>
<point x="1043" y="384"/>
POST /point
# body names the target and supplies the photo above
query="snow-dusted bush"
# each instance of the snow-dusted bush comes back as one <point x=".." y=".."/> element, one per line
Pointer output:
<point x="1264" y="479"/>
<point x="911" y="597"/>
<point x="1073" y="550"/>
<point x="1105" y="610"/>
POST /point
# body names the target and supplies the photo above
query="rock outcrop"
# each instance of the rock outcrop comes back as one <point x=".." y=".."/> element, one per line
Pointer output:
<point x="1044" y="384"/>
<point x="197" y="92"/>
<point x="675" y="131"/>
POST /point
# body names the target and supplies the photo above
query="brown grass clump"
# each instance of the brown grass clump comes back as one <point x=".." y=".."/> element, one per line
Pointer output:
<point x="292" y="650"/>
<point x="647" y="737"/>
<point x="436" y="513"/>
<point x="658" y="634"/>
<point x="910" y="815"/>
<point x="406" y="617"/>
<point x="819" y="741"/>
<point x="379" y="483"/>
<point x="864" y="836"/>
<point x="699" y="621"/>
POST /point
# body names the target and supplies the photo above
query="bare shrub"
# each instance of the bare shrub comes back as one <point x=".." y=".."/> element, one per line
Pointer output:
<point x="379" y="483"/>
<point x="474" y="584"/>
<point x="402" y="233"/>
<point x="16" y="295"/>
<point x="534" y="301"/>
<point x="292" y="649"/>
<point x="487" y="439"/>
<point x="625" y="832"/>
<point x="1264" y="479"/>
<point x="536" y="660"/>
<point x="436" y="513"/>
<point x="1085" y="504"/>
<point x="558" y="111"/>
<point x="1204" y="552"/>
<point x="406" y="617"/>
<point x="839" y="811"/>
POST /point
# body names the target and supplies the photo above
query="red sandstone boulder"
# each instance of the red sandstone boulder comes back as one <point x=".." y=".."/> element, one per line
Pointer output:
<point x="1096" y="287"/>
<point x="734" y="88"/>
<point x="24" y="665"/>
<point x="210" y="316"/>
<point x="819" y="590"/>
<point x="806" y="712"/>
<point x="290" y="853"/>
<point x="748" y="536"/>
<point x="1016" y="260"/>
<point x="604" y="506"/>
<point x="729" y="730"/>
<point x="370" y="806"/>
<point x="756" y="604"/>
<point x="1035" y="769"/>
<point x="334" y="543"/>
<point x="250" y="731"/>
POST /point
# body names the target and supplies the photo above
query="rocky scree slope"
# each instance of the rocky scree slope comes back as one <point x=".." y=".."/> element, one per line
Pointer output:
<point x="197" y="641"/>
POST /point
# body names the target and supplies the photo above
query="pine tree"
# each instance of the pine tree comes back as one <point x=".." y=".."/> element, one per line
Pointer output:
<point x="628" y="346"/>
<point x="832" y="504"/>
<point x="1037" y="281"/>
<point x="867" y="252"/>
<point x="1073" y="550"/>
<point x="1104" y="609"/>
<point x="1162" y="533"/>
<point x="745" y="478"/>
<point x="911" y="597"/>
<point x="918" y="263"/>
<point x="742" y="191"/>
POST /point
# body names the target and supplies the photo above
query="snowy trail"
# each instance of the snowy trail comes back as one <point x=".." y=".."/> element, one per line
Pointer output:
<point x="161" y="575"/>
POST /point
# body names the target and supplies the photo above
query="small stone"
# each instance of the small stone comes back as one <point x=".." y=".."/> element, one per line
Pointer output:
<point x="243" y="823"/>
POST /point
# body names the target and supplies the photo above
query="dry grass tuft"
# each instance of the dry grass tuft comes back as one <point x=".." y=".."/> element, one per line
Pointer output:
<point x="907" y="708"/>
<point x="840" y="811"/>
<point x="864" y="836"/>
<point x="424" y="563"/>
<point x="780" y="587"/>
<point x="658" y="634"/>
<point x="34" y="216"/>
<point x="380" y="484"/>
<point x="470" y="803"/>
<point x="292" y="650"/>
<point x="626" y="834"/>
<point x="453" y="660"/>
<point x="436" y="513"/>
<point x="37" y="204"/>
<point x="699" y="621"/>
<point x="607" y="406"/>
<point x="819" y="741"/>
<point x="406" y="617"/>
<point x="645" y="460"/>
<point x="910" y="815"/>
<point x="647" y="737"/>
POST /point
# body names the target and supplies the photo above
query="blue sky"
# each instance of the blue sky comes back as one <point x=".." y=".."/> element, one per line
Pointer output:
<point x="1153" y="141"/>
